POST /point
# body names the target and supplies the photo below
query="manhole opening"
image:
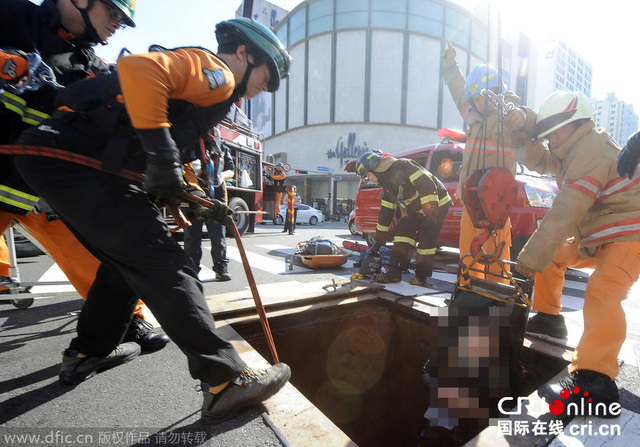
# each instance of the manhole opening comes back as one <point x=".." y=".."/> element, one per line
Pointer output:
<point x="362" y="364"/>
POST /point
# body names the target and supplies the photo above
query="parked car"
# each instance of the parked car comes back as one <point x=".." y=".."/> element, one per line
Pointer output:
<point x="306" y="214"/>
<point x="535" y="193"/>
<point x="352" y="222"/>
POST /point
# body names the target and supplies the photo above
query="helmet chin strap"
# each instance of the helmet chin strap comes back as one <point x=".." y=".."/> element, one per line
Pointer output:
<point x="242" y="87"/>
<point x="90" y="32"/>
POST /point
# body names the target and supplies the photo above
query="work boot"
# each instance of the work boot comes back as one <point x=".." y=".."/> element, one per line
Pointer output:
<point x="547" y="324"/>
<point x="77" y="369"/>
<point x="222" y="271"/>
<point x="593" y="394"/>
<point x="393" y="275"/>
<point x="250" y="387"/>
<point x="415" y="281"/>
<point x="141" y="332"/>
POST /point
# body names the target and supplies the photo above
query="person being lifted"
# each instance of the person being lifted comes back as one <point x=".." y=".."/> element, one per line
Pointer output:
<point x="424" y="203"/>
<point x="491" y="141"/>
<point x="149" y="117"/>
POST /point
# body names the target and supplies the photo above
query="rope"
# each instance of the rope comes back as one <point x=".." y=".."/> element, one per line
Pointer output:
<point x="41" y="151"/>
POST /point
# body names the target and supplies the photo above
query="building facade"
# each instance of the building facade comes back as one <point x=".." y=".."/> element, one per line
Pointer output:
<point x="560" y="67"/>
<point x="366" y="75"/>
<point x="616" y="116"/>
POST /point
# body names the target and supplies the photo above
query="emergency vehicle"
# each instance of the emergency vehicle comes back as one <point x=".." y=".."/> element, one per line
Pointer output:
<point x="535" y="193"/>
<point x="251" y="193"/>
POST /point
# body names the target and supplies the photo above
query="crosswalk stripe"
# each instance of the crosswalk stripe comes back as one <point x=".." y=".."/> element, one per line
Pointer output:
<point x="265" y="263"/>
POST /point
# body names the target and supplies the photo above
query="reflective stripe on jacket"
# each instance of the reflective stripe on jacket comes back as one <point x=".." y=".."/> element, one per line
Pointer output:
<point x="482" y="149"/>
<point x="413" y="186"/>
<point x="594" y="203"/>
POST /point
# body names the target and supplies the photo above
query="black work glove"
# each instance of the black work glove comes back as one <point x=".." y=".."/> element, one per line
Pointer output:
<point x="163" y="173"/>
<point x="219" y="212"/>
<point x="629" y="156"/>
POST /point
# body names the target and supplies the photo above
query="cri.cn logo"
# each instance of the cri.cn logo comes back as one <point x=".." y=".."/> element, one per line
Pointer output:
<point x="583" y="407"/>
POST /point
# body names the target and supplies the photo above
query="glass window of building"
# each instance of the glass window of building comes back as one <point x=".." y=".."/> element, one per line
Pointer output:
<point x="457" y="27"/>
<point x="352" y="14"/>
<point x="386" y="14"/>
<point x="281" y="33"/>
<point x="479" y="38"/>
<point x="320" y="16"/>
<point x="297" y="26"/>
<point x="426" y="17"/>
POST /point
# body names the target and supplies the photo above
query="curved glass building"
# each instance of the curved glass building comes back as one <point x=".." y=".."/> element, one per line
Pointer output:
<point x="365" y="74"/>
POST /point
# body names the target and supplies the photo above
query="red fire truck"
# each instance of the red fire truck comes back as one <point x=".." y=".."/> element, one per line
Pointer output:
<point x="251" y="191"/>
<point x="443" y="159"/>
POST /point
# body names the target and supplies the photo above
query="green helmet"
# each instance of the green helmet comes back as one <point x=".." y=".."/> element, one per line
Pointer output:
<point x="128" y="8"/>
<point x="263" y="40"/>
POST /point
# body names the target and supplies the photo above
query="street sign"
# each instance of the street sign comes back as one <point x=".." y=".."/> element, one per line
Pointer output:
<point x="337" y="177"/>
<point x="323" y="169"/>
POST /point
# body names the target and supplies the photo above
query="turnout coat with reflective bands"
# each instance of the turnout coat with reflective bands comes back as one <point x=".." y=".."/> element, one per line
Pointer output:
<point x="29" y="27"/>
<point x="484" y="146"/>
<point x="594" y="203"/>
<point x="408" y="184"/>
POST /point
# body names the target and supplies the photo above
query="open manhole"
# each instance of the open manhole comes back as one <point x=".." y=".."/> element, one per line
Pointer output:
<point x="362" y="364"/>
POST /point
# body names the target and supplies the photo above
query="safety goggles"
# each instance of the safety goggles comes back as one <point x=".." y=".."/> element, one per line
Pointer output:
<point x="116" y="15"/>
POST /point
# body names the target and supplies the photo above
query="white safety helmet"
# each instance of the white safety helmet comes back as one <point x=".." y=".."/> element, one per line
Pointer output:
<point x="560" y="108"/>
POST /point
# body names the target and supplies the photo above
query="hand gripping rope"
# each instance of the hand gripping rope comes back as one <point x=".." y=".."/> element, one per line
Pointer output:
<point x="41" y="151"/>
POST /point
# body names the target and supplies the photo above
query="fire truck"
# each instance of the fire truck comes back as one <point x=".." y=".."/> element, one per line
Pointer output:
<point x="251" y="191"/>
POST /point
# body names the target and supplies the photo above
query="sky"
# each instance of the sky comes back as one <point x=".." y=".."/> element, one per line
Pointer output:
<point x="605" y="33"/>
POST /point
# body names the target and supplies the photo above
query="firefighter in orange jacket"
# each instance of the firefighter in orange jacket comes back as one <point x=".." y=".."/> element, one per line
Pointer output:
<point x="424" y="201"/>
<point x="487" y="144"/>
<point x="278" y="177"/>
<point x="149" y="117"/>
<point x="603" y="211"/>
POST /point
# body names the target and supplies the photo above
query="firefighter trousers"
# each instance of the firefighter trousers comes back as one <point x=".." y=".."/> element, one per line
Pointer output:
<point x="193" y="242"/>
<point x="548" y="285"/>
<point x="417" y="232"/>
<point x="468" y="232"/>
<point x="74" y="260"/>
<point x="118" y="224"/>
<point x="617" y="266"/>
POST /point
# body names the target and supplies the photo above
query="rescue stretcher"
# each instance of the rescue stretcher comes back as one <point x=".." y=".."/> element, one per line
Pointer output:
<point x="318" y="261"/>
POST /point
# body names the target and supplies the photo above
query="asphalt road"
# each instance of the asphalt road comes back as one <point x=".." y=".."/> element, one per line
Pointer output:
<point x="152" y="400"/>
